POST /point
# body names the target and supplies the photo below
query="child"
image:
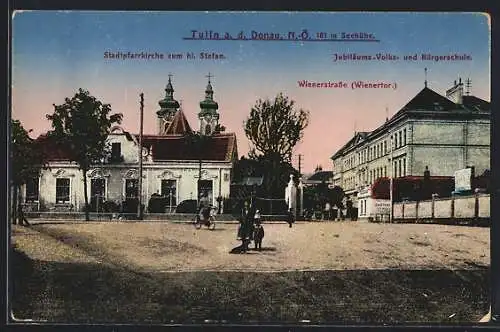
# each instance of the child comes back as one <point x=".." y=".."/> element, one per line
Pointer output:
<point x="256" y="217"/>
<point x="258" y="235"/>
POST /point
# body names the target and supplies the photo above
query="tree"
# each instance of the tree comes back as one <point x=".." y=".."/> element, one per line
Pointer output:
<point x="27" y="160"/>
<point x="274" y="128"/>
<point x="81" y="126"/>
<point x="199" y="141"/>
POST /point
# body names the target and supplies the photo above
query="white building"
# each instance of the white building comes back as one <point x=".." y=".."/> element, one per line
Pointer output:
<point x="443" y="133"/>
<point x="171" y="164"/>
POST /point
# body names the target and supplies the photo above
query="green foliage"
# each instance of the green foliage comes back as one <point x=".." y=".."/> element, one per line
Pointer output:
<point x="276" y="173"/>
<point x="26" y="158"/>
<point x="275" y="127"/>
<point x="81" y="125"/>
<point x="315" y="197"/>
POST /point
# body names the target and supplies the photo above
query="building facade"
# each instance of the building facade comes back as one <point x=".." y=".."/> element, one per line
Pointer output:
<point x="444" y="134"/>
<point x="172" y="164"/>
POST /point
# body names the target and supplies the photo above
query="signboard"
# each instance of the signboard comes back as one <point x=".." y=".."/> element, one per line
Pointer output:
<point x="381" y="206"/>
<point x="463" y="179"/>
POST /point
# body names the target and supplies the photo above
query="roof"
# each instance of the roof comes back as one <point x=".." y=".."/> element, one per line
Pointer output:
<point x="219" y="147"/>
<point x="50" y="150"/>
<point x="355" y="140"/>
<point x="179" y="125"/>
<point x="427" y="97"/>
<point x="475" y="103"/>
<point x="321" y="176"/>
<point x="426" y="103"/>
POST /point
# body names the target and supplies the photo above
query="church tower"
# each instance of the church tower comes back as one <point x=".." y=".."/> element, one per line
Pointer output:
<point x="209" y="118"/>
<point x="168" y="108"/>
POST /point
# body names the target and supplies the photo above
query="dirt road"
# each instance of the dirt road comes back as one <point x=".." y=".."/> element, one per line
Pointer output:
<point x="310" y="246"/>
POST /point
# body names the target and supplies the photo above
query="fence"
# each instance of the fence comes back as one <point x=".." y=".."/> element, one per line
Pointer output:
<point x="473" y="209"/>
<point x="104" y="216"/>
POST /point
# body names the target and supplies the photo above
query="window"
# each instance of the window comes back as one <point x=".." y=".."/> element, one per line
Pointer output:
<point x="131" y="188"/>
<point x="97" y="194"/>
<point x="404" y="136"/>
<point x="385" y="147"/>
<point x="169" y="191"/>
<point x="116" y="150"/>
<point x="404" y="166"/>
<point x="62" y="190"/>
<point x="98" y="188"/>
<point x="400" y="138"/>
<point x="395" y="169"/>
<point x="399" y="168"/>
<point x="385" y="170"/>
<point x="32" y="190"/>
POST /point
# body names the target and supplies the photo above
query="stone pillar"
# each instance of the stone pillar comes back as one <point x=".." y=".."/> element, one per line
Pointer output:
<point x="291" y="195"/>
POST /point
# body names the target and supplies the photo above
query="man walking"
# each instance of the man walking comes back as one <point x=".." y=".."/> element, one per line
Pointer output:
<point x="21" y="217"/>
<point x="290" y="217"/>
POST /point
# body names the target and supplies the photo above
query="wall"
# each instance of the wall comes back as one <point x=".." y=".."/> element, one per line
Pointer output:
<point x="186" y="174"/>
<point x="466" y="207"/>
<point x="442" y="160"/>
<point x="437" y="133"/>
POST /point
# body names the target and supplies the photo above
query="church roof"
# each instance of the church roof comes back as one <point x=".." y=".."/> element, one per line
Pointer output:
<point x="219" y="147"/>
<point x="179" y="125"/>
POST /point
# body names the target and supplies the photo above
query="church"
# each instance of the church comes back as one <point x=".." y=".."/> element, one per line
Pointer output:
<point x="175" y="165"/>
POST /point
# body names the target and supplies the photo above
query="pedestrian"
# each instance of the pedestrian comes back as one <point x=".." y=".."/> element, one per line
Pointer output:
<point x="257" y="217"/>
<point x="327" y="211"/>
<point x="21" y="217"/>
<point x="205" y="213"/>
<point x="290" y="217"/>
<point x="246" y="226"/>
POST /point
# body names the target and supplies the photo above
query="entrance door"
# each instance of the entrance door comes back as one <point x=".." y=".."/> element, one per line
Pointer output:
<point x="97" y="194"/>
<point x="205" y="191"/>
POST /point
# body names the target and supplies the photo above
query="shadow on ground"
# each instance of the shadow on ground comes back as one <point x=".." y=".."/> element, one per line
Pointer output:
<point x="98" y="293"/>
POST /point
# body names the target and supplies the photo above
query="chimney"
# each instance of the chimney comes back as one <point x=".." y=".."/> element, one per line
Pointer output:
<point x="456" y="92"/>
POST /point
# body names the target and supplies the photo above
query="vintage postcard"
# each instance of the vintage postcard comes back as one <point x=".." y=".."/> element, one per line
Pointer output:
<point x="250" y="167"/>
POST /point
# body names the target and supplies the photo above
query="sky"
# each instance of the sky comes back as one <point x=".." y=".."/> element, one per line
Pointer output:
<point x="54" y="53"/>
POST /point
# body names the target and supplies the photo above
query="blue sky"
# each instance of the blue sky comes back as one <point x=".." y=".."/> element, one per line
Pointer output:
<point x="55" y="53"/>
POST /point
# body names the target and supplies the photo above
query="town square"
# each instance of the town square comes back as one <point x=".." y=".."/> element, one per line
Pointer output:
<point x="187" y="178"/>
